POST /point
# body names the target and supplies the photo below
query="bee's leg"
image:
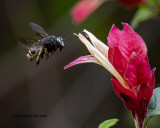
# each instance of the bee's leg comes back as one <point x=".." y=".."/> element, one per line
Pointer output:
<point x="42" y="54"/>
<point x="61" y="49"/>
<point x="39" y="56"/>
<point x="38" y="60"/>
<point x="53" y="51"/>
<point x="46" y="53"/>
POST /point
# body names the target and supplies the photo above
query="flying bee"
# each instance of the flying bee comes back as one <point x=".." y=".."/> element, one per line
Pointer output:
<point x="38" y="48"/>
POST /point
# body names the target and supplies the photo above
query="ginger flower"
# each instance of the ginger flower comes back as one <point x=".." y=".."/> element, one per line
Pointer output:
<point x="126" y="59"/>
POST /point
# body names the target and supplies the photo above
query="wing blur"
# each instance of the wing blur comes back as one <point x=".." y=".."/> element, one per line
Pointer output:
<point x="38" y="30"/>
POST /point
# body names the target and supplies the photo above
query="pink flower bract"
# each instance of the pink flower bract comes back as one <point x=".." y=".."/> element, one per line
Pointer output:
<point x="128" y="54"/>
<point x="83" y="9"/>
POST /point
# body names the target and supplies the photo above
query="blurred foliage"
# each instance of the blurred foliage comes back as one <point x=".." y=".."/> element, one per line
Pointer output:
<point x="108" y="123"/>
<point x="143" y="14"/>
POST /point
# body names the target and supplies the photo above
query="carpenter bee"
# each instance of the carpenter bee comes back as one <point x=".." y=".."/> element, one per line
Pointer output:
<point x="38" y="48"/>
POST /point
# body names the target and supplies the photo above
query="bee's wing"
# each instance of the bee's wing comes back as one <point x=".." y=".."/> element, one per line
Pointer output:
<point x="38" y="30"/>
<point x="28" y="42"/>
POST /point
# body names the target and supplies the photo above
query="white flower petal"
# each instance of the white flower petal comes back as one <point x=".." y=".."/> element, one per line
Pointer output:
<point x="101" y="59"/>
<point x="98" y="44"/>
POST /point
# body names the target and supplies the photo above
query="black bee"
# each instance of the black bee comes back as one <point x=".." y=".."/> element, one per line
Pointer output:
<point x="38" y="48"/>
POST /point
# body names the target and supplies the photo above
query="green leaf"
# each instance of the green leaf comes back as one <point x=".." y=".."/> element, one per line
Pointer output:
<point x="108" y="123"/>
<point x="142" y="14"/>
<point x="154" y="105"/>
<point x="153" y="1"/>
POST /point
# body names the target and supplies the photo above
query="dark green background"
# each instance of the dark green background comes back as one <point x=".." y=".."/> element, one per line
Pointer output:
<point x="79" y="97"/>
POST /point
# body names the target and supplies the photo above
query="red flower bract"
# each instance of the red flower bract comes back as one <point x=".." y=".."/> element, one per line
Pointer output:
<point x="83" y="9"/>
<point x="131" y="3"/>
<point x="128" y="54"/>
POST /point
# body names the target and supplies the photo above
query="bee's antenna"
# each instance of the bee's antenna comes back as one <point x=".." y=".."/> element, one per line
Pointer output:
<point x="68" y="42"/>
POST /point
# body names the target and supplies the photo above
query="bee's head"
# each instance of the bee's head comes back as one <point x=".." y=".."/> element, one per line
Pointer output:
<point x="60" y="42"/>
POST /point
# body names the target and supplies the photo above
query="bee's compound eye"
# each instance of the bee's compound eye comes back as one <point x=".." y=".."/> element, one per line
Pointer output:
<point x="60" y="42"/>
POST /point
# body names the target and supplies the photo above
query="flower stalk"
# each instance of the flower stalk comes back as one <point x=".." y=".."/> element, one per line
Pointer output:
<point x="136" y="125"/>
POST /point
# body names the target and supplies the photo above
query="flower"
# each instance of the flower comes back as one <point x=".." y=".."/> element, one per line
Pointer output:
<point x="126" y="59"/>
<point x="83" y="9"/>
<point x="131" y="3"/>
